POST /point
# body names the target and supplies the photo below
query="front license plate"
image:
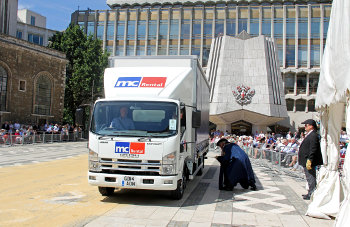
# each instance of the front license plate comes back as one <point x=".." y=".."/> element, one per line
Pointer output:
<point x="129" y="181"/>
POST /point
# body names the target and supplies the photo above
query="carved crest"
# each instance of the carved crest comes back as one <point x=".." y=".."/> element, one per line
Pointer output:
<point x="243" y="94"/>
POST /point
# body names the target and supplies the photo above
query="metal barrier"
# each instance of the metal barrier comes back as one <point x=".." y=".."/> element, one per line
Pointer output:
<point x="37" y="138"/>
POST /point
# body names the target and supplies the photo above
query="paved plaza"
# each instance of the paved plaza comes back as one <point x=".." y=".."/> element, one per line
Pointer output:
<point x="277" y="202"/>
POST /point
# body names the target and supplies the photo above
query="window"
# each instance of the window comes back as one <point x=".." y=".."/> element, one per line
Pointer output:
<point x="301" y="84"/>
<point x="290" y="104"/>
<point x="37" y="39"/>
<point x="110" y="30"/>
<point x="90" y="28"/>
<point x="3" y="88"/>
<point x="254" y="21"/>
<point x="163" y="29"/>
<point x="19" y="34"/>
<point x="32" y="20"/>
<point x="290" y="52"/>
<point x="100" y="29"/>
<point x="311" y="105"/>
<point x="302" y="53"/>
<point x="266" y="21"/>
<point x="300" y="105"/>
<point x="289" y="83"/>
<point x="313" y="83"/>
<point x="22" y="85"/>
<point x="43" y="87"/>
<point x="242" y="19"/>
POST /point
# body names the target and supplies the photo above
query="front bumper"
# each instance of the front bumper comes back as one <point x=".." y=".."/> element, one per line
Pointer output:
<point x="133" y="181"/>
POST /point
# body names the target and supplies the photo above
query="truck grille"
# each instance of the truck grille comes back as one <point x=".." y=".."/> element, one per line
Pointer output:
<point x="130" y="167"/>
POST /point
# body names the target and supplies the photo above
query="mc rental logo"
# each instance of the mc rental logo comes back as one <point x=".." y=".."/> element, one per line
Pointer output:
<point x="153" y="82"/>
<point x="129" y="148"/>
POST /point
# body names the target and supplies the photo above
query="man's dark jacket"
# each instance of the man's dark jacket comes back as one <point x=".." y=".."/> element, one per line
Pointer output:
<point x="238" y="168"/>
<point x="310" y="149"/>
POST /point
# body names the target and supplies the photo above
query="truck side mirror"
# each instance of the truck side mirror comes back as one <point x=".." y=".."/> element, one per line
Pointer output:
<point x="196" y="119"/>
<point x="79" y="116"/>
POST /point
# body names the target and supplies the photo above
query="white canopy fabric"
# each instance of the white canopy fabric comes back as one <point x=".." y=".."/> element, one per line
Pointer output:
<point x="333" y="85"/>
<point x="327" y="197"/>
<point x="343" y="216"/>
<point x="335" y="74"/>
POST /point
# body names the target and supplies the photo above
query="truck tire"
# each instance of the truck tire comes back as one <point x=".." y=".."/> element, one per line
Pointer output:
<point x="181" y="185"/>
<point x="106" y="191"/>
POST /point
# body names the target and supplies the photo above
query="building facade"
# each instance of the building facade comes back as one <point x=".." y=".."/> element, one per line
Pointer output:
<point x="31" y="26"/>
<point x="299" y="28"/>
<point x="246" y="91"/>
<point x="32" y="82"/>
<point x="8" y="17"/>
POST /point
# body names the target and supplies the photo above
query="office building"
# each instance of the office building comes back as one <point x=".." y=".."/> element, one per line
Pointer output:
<point x="299" y="28"/>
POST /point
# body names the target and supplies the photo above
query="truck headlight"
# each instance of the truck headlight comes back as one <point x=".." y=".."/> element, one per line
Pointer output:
<point x="94" y="165"/>
<point x="169" y="164"/>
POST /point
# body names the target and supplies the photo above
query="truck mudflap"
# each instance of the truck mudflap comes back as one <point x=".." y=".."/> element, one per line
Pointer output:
<point x="133" y="181"/>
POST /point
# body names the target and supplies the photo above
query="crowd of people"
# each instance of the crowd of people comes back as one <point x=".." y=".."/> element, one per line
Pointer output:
<point x="280" y="148"/>
<point x="16" y="132"/>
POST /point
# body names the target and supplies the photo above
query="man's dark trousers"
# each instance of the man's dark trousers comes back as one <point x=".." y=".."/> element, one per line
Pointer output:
<point x="311" y="179"/>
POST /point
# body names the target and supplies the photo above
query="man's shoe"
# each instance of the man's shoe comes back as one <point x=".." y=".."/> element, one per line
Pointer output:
<point x="253" y="188"/>
<point x="306" y="197"/>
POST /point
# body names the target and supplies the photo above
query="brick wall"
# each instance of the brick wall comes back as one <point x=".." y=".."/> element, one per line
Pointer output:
<point x="25" y="61"/>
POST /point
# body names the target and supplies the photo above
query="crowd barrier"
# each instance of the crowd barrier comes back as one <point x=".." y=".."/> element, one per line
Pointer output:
<point x="38" y="138"/>
<point x="275" y="159"/>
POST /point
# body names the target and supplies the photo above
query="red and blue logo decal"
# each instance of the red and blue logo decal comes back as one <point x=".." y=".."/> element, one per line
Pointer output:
<point x="129" y="148"/>
<point x="153" y="82"/>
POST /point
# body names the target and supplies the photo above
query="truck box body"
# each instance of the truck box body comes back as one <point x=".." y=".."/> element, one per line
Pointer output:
<point x="166" y="134"/>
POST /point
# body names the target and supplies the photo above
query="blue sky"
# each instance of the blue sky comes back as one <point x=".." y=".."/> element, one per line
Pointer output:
<point x="58" y="12"/>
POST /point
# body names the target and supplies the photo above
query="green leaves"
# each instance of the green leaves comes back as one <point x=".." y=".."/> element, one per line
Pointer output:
<point x="84" y="73"/>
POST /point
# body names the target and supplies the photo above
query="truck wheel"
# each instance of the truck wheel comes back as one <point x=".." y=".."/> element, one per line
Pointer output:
<point x="106" y="191"/>
<point x="181" y="185"/>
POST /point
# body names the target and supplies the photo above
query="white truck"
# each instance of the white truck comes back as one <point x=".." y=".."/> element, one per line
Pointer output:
<point x="151" y="129"/>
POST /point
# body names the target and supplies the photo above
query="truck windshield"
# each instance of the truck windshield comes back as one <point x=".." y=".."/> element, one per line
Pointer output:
<point x="126" y="118"/>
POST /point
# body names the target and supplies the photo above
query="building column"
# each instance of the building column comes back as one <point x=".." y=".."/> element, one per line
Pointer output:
<point x="157" y="37"/>
<point x="284" y="37"/>
<point x="307" y="84"/>
<point x="95" y="23"/>
<point x="136" y="29"/>
<point x="191" y="32"/>
<point x="260" y="19"/>
<point x="168" y="32"/>
<point x="104" y="41"/>
<point x="146" y="34"/>
<point x="237" y="16"/>
<point x="295" y="83"/>
<point x="321" y="33"/>
<point x="296" y="36"/>
<point x="248" y="20"/>
<point x="115" y="32"/>
<point x="126" y="31"/>
<point x="202" y="36"/>
<point x="309" y="37"/>
<point x="179" y="35"/>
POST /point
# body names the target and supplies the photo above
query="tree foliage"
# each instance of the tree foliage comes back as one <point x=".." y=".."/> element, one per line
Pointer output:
<point x="84" y="72"/>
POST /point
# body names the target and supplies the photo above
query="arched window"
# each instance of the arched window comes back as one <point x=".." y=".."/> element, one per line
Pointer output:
<point x="300" y="105"/>
<point x="43" y="87"/>
<point x="3" y="88"/>
<point x="290" y="104"/>
<point x="311" y="105"/>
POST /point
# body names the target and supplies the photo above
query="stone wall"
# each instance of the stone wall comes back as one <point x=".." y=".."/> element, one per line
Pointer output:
<point x="25" y="61"/>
